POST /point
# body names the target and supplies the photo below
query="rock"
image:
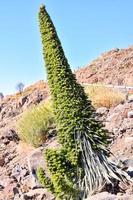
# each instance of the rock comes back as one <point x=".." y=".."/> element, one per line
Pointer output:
<point x="9" y="135"/>
<point x="127" y="124"/>
<point x="22" y="100"/>
<point x="130" y="98"/>
<point x="6" y="141"/>
<point x="118" y="108"/>
<point x="102" y="196"/>
<point x="1" y="187"/>
<point x="29" y="182"/>
<point x="8" y="190"/>
<point x="3" y="111"/>
<point x="0" y="108"/>
<point x="130" y="171"/>
<point x="128" y="162"/>
<point x="35" y="160"/>
<point x="19" y="173"/>
<point x="129" y="140"/>
<point x="17" y="197"/>
<point x="108" y="196"/>
<point x="113" y="117"/>
<point x="125" y="197"/>
<point x="15" y="191"/>
<point x="38" y="194"/>
<point x="2" y="161"/>
<point x="34" y="98"/>
<point x="102" y="110"/>
<point x="130" y="114"/>
<point x="113" y="122"/>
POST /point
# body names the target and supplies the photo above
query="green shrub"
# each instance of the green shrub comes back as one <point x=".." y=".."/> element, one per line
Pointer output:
<point x="81" y="166"/>
<point x="35" y="123"/>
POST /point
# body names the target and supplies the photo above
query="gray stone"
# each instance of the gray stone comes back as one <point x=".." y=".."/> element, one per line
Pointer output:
<point x="130" y="114"/>
<point x="118" y="108"/>
<point x="102" y="110"/>
<point x="9" y="135"/>
<point x="29" y="182"/>
<point x="19" y="173"/>
<point x="38" y="194"/>
<point x="130" y="171"/>
<point x="108" y="196"/>
<point x="126" y="124"/>
<point x="129" y="140"/>
<point x="113" y="117"/>
<point x="35" y="160"/>
<point x="102" y="196"/>
<point x="22" y="100"/>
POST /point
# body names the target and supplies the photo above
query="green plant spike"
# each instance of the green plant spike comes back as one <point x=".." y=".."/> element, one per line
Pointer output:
<point x="84" y="142"/>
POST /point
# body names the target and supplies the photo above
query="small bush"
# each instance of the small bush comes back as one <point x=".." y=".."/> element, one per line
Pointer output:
<point x="20" y="87"/>
<point x="103" y="96"/>
<point x="1" y="96"/>
<point x="35" y="123"/>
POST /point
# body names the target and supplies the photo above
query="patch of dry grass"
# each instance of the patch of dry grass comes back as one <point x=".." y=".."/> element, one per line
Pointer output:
<point x="101" y="95"/>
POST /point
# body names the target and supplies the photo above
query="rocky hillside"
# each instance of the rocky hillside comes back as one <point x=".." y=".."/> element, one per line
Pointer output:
<point x="19" y="161"/>
<point x="15" y="177"/>
<point x="13" y="105"/>
<point x="113" y="67"/>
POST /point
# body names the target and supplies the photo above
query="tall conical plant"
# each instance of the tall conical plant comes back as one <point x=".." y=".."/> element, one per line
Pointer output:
<point x="81" y="166"/>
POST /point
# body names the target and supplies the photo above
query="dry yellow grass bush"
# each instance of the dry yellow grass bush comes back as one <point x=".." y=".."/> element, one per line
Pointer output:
<point x="101" y="95"/>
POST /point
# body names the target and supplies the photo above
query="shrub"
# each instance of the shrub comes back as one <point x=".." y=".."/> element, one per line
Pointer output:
<point x="103" y="96"/>
<point x="35" y="123"/>
<point x="81" y="166"/>
<point x="1" y="96"/>
<point x="20" y="87"/>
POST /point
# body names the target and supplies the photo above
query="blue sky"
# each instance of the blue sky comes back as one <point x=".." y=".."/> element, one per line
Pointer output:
<point x="86" y="29"/>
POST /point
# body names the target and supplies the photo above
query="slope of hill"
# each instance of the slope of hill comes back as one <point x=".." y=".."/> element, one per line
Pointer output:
<point x="19" y="160"/>
<point x="113" y="67"/>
